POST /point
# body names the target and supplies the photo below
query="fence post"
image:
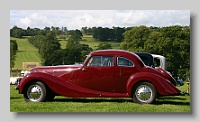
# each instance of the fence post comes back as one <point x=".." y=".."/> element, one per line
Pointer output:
<point x="188" y="86"/>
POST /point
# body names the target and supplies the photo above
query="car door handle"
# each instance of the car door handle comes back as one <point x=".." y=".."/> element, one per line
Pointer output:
<point x="120" y="73"/>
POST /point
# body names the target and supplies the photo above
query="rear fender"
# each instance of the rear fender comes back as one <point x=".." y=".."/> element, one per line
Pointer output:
<point x="163" y="86"/>
<point x="168" y="76"/>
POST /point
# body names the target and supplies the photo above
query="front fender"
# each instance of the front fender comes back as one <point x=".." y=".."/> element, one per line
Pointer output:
<point x="56" y="84"/>
<point x="64" y="88"/>
<point x="48" y="79"/>
<point x="163" y="86"/>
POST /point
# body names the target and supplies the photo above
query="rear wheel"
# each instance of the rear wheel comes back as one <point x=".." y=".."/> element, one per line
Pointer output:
<point x="144" y="93"/>
<point x="35" y="92"/>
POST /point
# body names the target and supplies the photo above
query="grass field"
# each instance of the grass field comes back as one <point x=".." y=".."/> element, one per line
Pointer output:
<point x="28" y="53"/>
<point x="63" y="104"/>
<point x="93" y="43"/>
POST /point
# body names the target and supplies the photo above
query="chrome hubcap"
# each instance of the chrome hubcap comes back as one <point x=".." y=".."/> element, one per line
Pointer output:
<point x="143" y="93"/>
<point x="34" y="92"/>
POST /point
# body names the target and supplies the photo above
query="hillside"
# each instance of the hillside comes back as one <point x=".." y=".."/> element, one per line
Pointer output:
<point x="93" y="43"/>
<point x="28" y="53"/>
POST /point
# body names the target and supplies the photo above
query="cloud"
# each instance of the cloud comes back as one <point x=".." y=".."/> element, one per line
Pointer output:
<point x="33" y="20"/>
<point x="24" y="22"/>
<point x="75" y="19"/>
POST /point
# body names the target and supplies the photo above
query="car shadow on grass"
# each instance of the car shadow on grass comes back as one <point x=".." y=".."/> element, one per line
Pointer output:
<point x="159" y="101"/>
<point x="172" y="103"/>
<point x="89" y="100"/>
<point x="173" y="100"/>
<point x="15" y="97"/>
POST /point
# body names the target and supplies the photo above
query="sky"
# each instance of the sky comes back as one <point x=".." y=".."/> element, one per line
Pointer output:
<point x="76" y="19"/>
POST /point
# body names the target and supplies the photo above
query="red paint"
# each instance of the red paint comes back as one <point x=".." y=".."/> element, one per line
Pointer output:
<point x="100" y="81"/>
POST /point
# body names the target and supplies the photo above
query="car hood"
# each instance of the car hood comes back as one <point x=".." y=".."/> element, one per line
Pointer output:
<point x="62" y="71"/>
<point x="55" y="68"/>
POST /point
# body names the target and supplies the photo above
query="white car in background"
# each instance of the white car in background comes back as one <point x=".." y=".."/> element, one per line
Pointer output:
<point x="158" y="61"/>
<point x="13" y="80"/>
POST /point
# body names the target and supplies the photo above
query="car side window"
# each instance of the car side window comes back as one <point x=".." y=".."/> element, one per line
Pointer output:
<point x="101" y="61"/>
<point x="156" y="62"/>
<point x="121" y="61"/>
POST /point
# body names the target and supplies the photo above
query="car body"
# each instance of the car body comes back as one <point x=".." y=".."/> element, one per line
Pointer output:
<point x="158" y="61"/>
<point x="104" y="73"/>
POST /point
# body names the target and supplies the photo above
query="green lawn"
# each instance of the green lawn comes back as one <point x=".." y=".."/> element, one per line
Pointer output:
<point x="26" y="53"/>
<point x="93" y="43"/>
<point x="63" y="104"/>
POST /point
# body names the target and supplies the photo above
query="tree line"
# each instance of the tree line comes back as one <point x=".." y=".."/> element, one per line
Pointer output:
<point x="13" y="51"/>
<point x="50" y="49"/>
<point x="105" y="34"/>
<point x="173" y="42"/>
<point x="99" y="33"/>
<point x="19" y="32"/>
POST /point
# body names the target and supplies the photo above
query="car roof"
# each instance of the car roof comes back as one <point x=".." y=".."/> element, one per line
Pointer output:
<point x="123" y="53"/>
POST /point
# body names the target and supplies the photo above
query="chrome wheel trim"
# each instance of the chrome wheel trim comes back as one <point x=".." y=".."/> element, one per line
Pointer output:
<point x="34" y="93"/>
<point x="143" y="93"/>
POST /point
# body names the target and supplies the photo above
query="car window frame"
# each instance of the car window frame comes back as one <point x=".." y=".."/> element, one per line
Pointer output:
<point x="125" y="59"/>
<point x="101" y="63"/>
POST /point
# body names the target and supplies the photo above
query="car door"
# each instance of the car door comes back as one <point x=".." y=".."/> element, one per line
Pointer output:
<point x="124" y="69"/>
<point x="98" y="74"/>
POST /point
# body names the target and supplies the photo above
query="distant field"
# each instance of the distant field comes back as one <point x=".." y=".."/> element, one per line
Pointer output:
<point x="28" y="53"/>
<point x="93" y="43"/>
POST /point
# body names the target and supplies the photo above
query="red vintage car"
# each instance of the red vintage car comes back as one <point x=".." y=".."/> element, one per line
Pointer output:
<point x="104" y="73"/>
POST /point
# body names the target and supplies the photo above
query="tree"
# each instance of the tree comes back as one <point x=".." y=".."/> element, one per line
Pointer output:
<point x="64" y="57"/>
<point x="153" y="43"/>
<point x="103" y="46"/>
<point x="135" y="38"/>
<point x="49" y="44"/>
<point x="74" y="38"/>
<point x="47" y="29"/>
<point x="13" y="50"/>
<point x="119" y="33"/>
<point x="173" y="42"/>
<point x="17" y="32"/>
<point x="85" y="50"/>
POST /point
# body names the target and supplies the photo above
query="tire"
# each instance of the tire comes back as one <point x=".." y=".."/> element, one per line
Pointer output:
<point x="50" y="95"/>
<point x="144" y="93"/>
<point x="35" y="92"/>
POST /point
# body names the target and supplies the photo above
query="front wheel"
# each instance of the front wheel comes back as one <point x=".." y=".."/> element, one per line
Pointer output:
<point x="35" y="92"/>
<point x="144" y="93"/>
